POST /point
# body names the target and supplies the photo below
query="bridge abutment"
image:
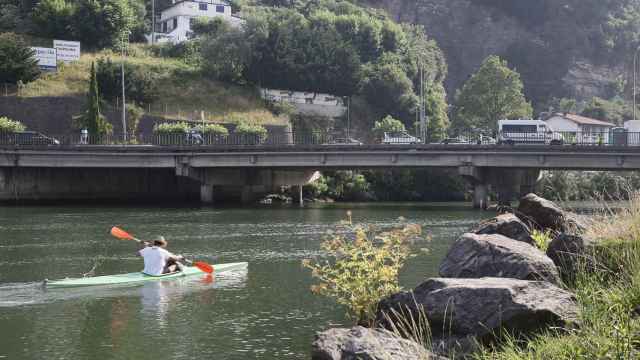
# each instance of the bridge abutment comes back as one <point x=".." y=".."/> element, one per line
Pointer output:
<point x="508" y="184"/>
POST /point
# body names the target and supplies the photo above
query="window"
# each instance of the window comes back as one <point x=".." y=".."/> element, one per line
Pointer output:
<point x="519" y="128"/>
<point x="203" y="6"/>
<point x="220" y="8"/>
<point x="164" y="27"/>
<point x="175" y="23"/>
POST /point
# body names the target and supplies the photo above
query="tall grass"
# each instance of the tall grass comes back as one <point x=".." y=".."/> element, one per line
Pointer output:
<point x="607" y="288"/>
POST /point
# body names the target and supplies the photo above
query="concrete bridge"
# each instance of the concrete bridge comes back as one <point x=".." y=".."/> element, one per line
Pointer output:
<point x="145" y="171"/>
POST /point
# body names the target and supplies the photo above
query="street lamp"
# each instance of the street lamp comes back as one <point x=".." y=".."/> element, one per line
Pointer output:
<point x="635" y="70"/>
<point x="124" y="103"/>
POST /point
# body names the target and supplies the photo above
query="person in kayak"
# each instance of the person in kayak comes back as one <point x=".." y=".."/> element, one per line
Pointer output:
<point x="157" y="260"/>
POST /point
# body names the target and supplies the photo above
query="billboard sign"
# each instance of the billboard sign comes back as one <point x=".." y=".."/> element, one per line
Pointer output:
<point x="67" y="51"/>
<point x="46" y="57"/>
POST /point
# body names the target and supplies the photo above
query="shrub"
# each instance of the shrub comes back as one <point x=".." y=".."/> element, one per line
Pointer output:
<point x="363" y="269"/>
<point x="171" y="128"/>
<point x="541" y="239"/>
<point x="253" y="132"/>
<point x="134" y="114"/>
<point x="141" y="85"/>
<point x="10" y="126"/>
<point x="213" y="129"/>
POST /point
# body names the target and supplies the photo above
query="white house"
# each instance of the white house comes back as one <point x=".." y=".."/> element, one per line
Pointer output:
<point x="308" y="102"/>
<point x="585" y="130"/>
<point x="174" y="24"/>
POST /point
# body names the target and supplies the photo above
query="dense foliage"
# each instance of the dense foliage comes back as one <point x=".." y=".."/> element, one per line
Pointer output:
<point x="577" y="185"/>
<point x="491" y="94"/>
<point x="171" y="128"/>
<point x="330" y="47"/>
<point x="16" y="60"/>
<point x="213" y="129"/>
<point x="362" y="270"/>
<point x="140" y="81"/>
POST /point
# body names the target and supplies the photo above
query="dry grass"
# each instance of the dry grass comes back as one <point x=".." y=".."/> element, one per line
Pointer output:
<point x="184" y="93"/>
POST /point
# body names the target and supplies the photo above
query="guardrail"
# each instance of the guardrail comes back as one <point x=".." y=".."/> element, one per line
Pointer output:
<point x="29" y="138"/>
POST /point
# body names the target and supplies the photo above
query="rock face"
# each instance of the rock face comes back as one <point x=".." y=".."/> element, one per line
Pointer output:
<point x="481" y="306"/>
<point x="542" y="213"/>
<point x="508" y="225"/>
<point x="476" y="256"/>
<point x="361" y="343"/>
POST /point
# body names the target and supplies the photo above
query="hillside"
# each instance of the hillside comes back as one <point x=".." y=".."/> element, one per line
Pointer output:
<point x="181" y="93"/>
<point x="562" y="48"/>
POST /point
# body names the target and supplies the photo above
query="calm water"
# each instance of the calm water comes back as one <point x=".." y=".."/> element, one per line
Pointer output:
<point x="266" y="312"/>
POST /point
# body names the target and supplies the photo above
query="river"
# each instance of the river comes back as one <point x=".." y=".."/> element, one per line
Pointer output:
<point x="265" y="312"/>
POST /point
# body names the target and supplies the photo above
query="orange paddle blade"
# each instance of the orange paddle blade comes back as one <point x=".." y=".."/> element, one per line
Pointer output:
<point x="121" y="234"/>
<point x="203" y="266"/>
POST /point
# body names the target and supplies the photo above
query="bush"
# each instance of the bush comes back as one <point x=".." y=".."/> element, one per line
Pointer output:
<point x="141" y="85"/>
<point x="252" y="133"/>
<point x="134" y="114"/>
<point x="171" y="128"/>
<point x="213" y="130"/>
<point x="16" y="60"/>
<point x="362" y="270"/>
<point x="10" y="126"/>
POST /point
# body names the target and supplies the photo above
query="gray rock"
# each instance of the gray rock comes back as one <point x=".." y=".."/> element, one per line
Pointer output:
<point x="366" y="344"/>
<point x="567" y="251"/>
<point x="480" y="307"/>
<point x="508" y="225"/>
<point x="544" y="214"/>
<point x="476" y="256"/>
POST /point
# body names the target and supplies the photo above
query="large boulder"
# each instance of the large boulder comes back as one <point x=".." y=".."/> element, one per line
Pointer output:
<point x="366" y="344"/>
<point x="480" y="307"/>
<point x="544" y="214"/>
<point x="567" y="251"/>
<point x="508" y="225"/>
<point x="476" y="256"/>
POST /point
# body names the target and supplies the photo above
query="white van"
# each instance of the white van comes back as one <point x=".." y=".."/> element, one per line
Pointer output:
<point x="526" y="131"/>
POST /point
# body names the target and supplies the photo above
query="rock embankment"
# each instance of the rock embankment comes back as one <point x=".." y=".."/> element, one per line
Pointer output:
<point x="492" y="278"/>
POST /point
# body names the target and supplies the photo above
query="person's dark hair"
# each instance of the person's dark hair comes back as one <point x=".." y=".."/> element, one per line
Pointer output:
<point x="160" y="241"/>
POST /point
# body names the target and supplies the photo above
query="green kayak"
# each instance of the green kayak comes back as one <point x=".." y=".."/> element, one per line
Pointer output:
<point x="139" y="277"/>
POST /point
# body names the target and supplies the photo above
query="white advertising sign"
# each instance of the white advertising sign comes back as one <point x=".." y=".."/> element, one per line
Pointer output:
<point x="67" y="51"/>
<point x="46" y="57"/>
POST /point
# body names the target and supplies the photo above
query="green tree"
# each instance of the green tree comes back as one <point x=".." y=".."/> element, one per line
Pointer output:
<point x="17" y="62"/>
<point x="225" y="54"/>
<point x="388" y="89"/>
<point x="387" y="124"/>
<point x="436" y="110"/>
<point x="53" y="18"/>
<point x="615" y="110"/>
<point x="93" y="120"/>
<point x="494" y="92"/>
<point x="102" y="23"/>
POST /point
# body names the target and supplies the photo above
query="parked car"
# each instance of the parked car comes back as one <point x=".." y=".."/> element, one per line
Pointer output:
<point x="28" y="138"/>
<point x="399" y="138"/>
<point x="343" y="141"/>
<point x="459" y="140"/>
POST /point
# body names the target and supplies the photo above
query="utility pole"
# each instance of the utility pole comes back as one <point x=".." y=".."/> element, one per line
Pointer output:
<point x="124" y="104"/>
<point x="423" y="113"/>
<point x="635" y="70"/>
<point x="153" y="21"/>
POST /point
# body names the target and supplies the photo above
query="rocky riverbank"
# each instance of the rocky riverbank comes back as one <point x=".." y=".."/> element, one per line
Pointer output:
<point x="493" y="281"/>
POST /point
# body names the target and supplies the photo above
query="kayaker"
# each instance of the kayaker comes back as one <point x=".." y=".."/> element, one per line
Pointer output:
<point x="157" y="260"/>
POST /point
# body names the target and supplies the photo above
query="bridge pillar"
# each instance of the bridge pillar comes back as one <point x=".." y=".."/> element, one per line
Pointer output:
<point x="481" y="196"/>
<point x="206" y="194"/>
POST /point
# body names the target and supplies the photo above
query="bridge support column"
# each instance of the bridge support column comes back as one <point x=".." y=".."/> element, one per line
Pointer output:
<point x="481" y="196"/>
<point x="206" y="194"/>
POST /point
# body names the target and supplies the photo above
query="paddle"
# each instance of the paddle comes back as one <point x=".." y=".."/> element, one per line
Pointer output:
<point x="123" y="235"/>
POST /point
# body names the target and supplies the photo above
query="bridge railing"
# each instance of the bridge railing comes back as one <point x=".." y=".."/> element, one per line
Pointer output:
<point x="31" y="138"/>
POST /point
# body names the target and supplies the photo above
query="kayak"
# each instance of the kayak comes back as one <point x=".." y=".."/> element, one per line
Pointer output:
<point x="139" y="277"/>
